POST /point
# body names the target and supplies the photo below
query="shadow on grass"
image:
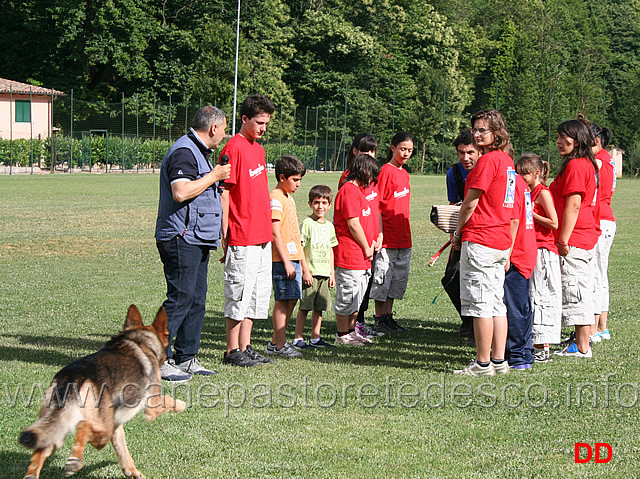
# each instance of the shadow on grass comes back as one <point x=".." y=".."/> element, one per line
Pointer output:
<point x="35" y="349"/>
<point x="430" y="345"/>
<point x="15" y="464"/>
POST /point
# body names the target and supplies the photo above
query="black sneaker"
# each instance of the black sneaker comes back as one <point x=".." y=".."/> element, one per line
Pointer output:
<point x="255" y="356"/>
<point x="569" y="340"/>
<point x="391" y="324"/>
<point x="238" y="358"/>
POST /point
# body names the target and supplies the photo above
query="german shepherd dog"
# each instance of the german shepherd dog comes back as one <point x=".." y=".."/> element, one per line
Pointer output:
<point x="101" y="392"/>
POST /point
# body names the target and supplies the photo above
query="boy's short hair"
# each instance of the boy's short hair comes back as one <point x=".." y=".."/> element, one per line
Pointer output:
<point x="288" y="166"/>
<point x="322" y="192"/>
<point x="255" y="104"/>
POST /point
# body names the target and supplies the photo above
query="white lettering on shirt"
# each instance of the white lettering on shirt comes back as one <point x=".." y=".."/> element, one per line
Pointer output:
<point x="256" y="172"/>
<point x="401" y="194"/>
<point x="366" y="212"/>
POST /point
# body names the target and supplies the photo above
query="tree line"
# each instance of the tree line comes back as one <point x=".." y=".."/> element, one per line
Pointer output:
<point x="384" y="64"/>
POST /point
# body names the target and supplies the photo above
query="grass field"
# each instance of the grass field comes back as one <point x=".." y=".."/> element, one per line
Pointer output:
<point x="76" y="250"/>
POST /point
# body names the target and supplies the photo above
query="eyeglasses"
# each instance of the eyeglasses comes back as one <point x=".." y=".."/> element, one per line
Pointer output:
<point x="480" y="131"/>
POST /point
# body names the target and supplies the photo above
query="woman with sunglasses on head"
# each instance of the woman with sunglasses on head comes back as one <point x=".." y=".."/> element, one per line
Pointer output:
<point x="574" y="192"/>
<point x="484" y="234"/>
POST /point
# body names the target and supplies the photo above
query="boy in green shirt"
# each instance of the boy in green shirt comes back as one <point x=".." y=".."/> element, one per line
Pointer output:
<point x="318" y="237"/>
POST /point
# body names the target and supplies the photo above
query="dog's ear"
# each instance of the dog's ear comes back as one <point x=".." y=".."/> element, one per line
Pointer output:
<point x="134" y="320"/>
<point x="160" y="323"/>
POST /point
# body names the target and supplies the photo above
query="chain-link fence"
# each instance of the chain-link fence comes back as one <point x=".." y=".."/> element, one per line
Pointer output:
<point x="134" y="135"/>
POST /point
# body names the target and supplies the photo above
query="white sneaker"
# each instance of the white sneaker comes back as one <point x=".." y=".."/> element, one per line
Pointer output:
<point x="350" y="339"/>
<point x="474" y="369"/>
<point x="502" y="368"/>
<point x="596" y="338"/>
<point x="605" y="334"/>
<point x="572" y="350"/>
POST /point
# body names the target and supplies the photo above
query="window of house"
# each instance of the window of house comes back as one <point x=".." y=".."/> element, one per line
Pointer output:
<point x="23" y="111"/>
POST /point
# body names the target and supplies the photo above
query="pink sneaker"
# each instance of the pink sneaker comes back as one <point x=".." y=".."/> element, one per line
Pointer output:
<point x="350" y="339"/>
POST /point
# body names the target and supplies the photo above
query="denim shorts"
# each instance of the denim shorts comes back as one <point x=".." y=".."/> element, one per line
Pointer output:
<point x="283" y="287"/>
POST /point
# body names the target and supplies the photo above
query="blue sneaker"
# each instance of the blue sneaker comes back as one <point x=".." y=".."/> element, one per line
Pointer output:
<point x="300" y="344"/>
<point x="522" y="367"/>
<point x="605" y="334"/>
<point x="321" y="343"/>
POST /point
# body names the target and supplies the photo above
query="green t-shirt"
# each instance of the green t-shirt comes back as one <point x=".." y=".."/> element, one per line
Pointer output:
<point x="317" y="240"/>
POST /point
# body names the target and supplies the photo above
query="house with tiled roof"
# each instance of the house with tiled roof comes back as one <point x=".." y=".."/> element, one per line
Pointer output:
<point x="25" y="110"/>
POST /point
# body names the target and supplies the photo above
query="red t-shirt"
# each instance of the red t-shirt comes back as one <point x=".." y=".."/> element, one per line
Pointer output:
<point x="249" y="197"/>
<point x="578" y="177"/>
<point x="343" y="178"/>
<point x="395" y="206"/>
<point x="524" y="254"/>
<point x="490" y="223"/>
<point x="606" y="185"/>
<point x="372" y="195"/>
<point x="351" y="203"/>
<point x="544" y="235"/>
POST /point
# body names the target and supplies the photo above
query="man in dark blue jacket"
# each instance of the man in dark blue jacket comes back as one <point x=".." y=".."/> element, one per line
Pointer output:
<point x="188" y="227"/>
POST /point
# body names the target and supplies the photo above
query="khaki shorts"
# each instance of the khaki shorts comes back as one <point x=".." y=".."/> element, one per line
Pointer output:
<point x="350" y="288"/>
<point x="545" y="290"/>
<point x="247" y="282"/>
<point x="482" y="280"/>
<point x="390" y="274"/>
<point x="603" y="248"/>
<point x="316" y="297"/>
<point x="577" y="287"/>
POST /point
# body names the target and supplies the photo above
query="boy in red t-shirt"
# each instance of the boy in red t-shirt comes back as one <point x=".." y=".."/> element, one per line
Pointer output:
<point x="246" y="233"/>
<point x="391" y="264"/>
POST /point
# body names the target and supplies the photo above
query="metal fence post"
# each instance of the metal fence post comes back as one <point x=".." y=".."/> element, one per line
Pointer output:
<point x="107" y="154"/>
<point x="137" y="136"/>
<point x="31" y="126"/>
<point x="71" y="134"/>
<point x="10" y="129"/>
<point x="170" y="119"/>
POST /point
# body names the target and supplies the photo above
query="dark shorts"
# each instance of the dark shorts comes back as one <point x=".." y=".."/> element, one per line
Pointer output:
<point x="283" y="287"/>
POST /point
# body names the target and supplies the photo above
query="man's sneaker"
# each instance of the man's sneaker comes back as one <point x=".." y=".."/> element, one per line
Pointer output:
<point x="572" y="350"/>
<point x="193" y="366"/>
<point x="522" y="367"/>
<point x="169" y="372"/>
<point x="596" y="338"/>
<point x="300" y="344"/>
<point x="501" y="368"/>
<point x="605" y="334"/>
<point x="321" y="343"/>
<point x="351" y="339"/>
<point x="474" y="369"/>
<point x="363" y="329"/>
<point x="255" y="356"/>
<point x="238" y="358"/>
<point x="286" y="351"/>
<point x="542" y="355"/>
<point x="569" y="340"/>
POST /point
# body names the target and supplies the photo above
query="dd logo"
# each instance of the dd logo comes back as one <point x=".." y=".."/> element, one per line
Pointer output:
<point x="597" y="447"/>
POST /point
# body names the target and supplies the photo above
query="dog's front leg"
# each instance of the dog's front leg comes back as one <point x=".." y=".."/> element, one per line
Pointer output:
<point x="157" y="403"/>
<point x="119" y="442"/>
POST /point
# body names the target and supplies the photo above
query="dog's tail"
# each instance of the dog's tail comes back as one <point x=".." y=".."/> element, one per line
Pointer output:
<point x="57" y="420"/>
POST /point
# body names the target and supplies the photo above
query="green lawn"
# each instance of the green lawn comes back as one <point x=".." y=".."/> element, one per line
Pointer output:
<point x="76" y="250"/>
